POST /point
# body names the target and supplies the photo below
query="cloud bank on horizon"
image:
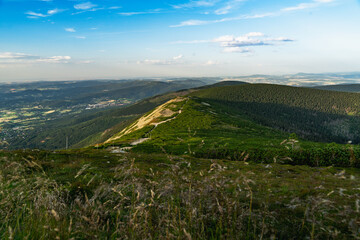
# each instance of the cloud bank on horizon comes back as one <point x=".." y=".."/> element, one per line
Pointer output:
<point x="53" y="39"/>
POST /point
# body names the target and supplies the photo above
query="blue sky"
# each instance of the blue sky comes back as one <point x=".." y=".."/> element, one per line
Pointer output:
<point x="61" y="40"/>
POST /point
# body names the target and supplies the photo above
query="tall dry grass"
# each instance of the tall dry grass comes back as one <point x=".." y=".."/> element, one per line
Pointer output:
<point x="176" y="202"/>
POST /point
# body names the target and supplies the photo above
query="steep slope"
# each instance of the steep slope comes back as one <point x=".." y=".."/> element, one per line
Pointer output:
<point x="192" y="126"/>
<point x="162" y="114"/>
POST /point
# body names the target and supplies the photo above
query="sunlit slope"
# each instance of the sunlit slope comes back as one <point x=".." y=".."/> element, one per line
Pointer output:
<point x="194" y="125"/>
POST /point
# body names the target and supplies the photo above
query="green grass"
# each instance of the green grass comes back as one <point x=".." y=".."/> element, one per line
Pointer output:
<point x="201" y="128"/>
<point x="84" y="194"/>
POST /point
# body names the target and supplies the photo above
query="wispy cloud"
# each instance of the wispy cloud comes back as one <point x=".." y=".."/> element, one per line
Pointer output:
<point x="141" y="12"/>
<point x="218" y="7"/>
<point x="91" y="7"/>
<point x="114" y="7"/>
<point x="34" y="15"/>
<point x="301" y="6"/>
<point x="198" y="3"/>
<point x="85" y="6"/>
<point x="243" y="17"/>
<point x="228" y="7"/>
<point x="70" y="30"/>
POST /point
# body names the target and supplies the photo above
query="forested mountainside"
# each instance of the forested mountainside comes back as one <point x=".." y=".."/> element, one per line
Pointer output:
<point x="313" y="114"/>
<point x="341" y="88"/>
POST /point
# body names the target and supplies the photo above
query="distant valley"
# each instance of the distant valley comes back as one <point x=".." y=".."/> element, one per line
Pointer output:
<point x="29" y="107"/>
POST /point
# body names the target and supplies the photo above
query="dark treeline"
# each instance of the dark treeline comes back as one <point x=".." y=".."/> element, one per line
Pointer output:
<point x="313" y="114"/>
<point x="330" y="155"/>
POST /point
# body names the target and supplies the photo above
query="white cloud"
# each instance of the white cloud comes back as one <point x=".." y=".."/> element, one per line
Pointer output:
<point x="55" y="59"/>
<point x="16" y="58"/>
<point x="85" y="6"/>
<point x="11" y="55"/>
<point x="80" y="37"/>
<point x="178" y="57"/>
<point x="54" y="11"/>
<point x="191" y="23"/>
<point x="70" y="30"/>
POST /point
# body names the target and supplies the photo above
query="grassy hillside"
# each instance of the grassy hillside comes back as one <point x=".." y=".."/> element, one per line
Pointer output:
<point x="83" y="194"/>
<point x="248" y="122"/>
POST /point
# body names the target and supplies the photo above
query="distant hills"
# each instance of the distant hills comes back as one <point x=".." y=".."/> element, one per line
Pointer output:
<point x="48" y="112"/>
<point x="70" y="93"/>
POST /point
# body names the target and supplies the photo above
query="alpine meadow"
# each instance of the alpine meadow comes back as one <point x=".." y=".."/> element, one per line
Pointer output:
<point x="179" y="119"/>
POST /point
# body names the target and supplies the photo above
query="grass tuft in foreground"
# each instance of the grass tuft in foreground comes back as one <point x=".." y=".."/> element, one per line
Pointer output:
<point x="95" y="195"/>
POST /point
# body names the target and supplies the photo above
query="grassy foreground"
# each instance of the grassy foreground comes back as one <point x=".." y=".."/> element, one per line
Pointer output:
<point x="89" y="194"/>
